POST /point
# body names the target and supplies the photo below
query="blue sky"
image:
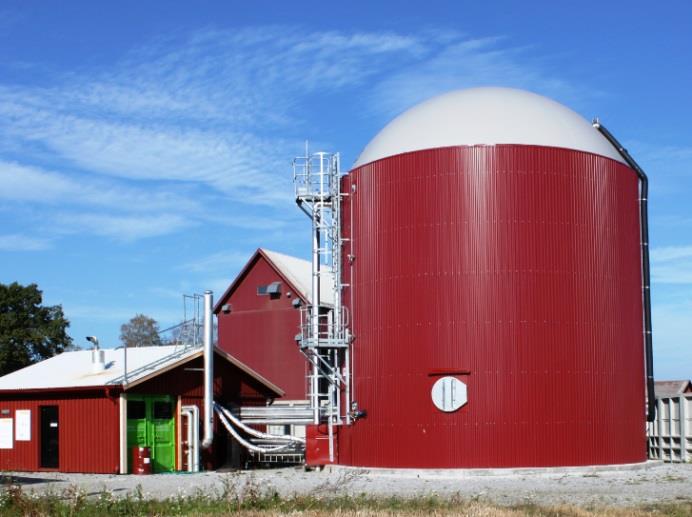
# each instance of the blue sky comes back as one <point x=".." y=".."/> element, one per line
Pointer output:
<point x="145" y="147"/>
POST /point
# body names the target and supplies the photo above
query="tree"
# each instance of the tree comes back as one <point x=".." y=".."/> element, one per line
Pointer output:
<point x="189" y="333"/>
<point x="140" y="331"/>
<point x="29" y="331"/>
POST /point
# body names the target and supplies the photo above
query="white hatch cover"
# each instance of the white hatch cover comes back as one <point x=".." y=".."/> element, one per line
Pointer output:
<point x="449" y="394"/>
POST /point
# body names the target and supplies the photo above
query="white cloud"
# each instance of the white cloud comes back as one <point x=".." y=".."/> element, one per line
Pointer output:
<point x="15" y="242"/>
<point x="462" y="64"/>
<point x="34" y="184"/>
<point x="670" y="253"/>
<point x="227" y="261"/>
<point x="184" y="126"/>
<point x="124" y="228"/>
<point x="672" y="265"/>
<point x="219" y="285"/>
<point x="199" y="110"/>
<point x="672" y="328"/>
<point x="108" y="313"/>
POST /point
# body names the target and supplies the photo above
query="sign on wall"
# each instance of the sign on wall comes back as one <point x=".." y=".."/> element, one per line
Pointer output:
<point x="22" y="425"/>
<point x="6" y="433"/>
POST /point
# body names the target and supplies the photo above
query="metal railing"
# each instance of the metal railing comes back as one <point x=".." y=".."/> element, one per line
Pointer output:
<point x="324" y="334"/>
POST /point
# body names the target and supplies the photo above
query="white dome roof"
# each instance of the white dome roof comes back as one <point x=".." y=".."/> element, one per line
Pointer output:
<point x="486" y="116"/>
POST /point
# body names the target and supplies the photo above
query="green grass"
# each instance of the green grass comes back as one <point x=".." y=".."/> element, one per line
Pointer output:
<point x="251" y="502"/>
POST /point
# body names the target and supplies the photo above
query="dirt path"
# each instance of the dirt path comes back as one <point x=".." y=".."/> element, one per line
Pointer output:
<point x="652" y="483"/>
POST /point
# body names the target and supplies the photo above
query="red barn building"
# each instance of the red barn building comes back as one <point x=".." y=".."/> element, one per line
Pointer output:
<point x="78" y="412"/>
<point x="258" y="318"/>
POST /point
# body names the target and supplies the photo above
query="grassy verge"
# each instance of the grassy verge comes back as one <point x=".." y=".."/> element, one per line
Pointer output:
<point x="73" y="502"/>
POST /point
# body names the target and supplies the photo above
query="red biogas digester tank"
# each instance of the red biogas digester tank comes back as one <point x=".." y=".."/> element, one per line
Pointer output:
<point x="496" y="289"/>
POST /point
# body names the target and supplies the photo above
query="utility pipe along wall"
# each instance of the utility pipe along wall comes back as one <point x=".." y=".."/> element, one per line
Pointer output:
<point x="208" y="427"/>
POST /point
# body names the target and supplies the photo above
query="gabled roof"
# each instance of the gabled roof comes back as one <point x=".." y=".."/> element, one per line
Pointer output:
<point x="672" y="388"/>
<point x="74" y="369"/>
<point x="295" y="271"/>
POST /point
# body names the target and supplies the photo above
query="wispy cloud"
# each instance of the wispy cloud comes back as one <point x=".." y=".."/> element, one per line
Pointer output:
<point x="672" y="265"/>
<point x="34" y="184"/>
<point x="210" y="119"/>
<point x="15" y="242"/>
<point x="672" y="328"/>
<point x="671" y="253"/>
<point x="119" y="315"/>
<point x="125" y="228"/>
<point x="461" y="64"/>
<point x="228" y="261"/>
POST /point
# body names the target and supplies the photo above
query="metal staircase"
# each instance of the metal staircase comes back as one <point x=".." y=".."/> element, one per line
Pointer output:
<point x="324" y="335"/>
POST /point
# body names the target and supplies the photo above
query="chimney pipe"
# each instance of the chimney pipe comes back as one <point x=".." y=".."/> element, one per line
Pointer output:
<point x="98" y="360"/>
<point x="208" y="371"/>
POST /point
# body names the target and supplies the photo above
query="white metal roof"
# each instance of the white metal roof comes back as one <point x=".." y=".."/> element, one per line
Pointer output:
<point x="74" y="369"/>
<point x="299" y="273"/>
<point x="486" y="116"/>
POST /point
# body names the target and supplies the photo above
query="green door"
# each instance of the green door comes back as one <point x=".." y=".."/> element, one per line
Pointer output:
<point x="151" y="423"/>
<point x="163" y="435"/>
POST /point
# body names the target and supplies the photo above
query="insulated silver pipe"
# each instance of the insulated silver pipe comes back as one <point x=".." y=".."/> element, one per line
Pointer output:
<point x="192" y="414"/>
<point x="315" y="308"/>
<point x="254" y="432"/>
<point x="208" y="372"/>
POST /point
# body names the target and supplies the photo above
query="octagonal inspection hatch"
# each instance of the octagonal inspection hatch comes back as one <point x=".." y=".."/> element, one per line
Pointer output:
<point x="449" y="394"/>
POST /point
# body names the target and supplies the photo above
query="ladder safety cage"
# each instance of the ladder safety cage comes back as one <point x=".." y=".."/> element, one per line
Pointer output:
<point x="324" y="336"/>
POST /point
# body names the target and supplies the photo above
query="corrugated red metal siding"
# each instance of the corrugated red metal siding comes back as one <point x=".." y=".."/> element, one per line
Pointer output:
<point x="260" y="331"/>
<point x="88" y="433"/>
<point x="89" y="421"/>
<point x="231" y="386"/>
<point x="520" y="264"/>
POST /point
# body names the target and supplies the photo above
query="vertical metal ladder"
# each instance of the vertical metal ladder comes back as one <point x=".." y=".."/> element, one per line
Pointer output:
<point x="324" y="335"/>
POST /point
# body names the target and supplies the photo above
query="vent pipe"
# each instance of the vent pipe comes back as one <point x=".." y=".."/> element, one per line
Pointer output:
<point x="98" y="356"/>
<point x="208" y="371"/>
<point x="98" y="360"/>
<point x="646" y="275"/>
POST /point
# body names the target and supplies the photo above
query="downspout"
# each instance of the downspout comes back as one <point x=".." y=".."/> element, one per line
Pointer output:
<point x="191" y="412"/>
<point x="208" y="372"/>
<point x="646" y="273"/>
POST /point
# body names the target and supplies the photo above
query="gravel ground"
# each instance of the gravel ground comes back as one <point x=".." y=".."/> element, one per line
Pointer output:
<point x="653" y="482"/>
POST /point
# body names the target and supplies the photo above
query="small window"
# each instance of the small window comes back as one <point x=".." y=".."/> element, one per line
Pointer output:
<point x="136" y="410"/>
<point x="163" y="410"/>
<point x="273" y="290"/>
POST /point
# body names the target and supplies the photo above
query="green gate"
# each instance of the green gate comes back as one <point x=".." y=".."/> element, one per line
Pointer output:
<point x="151" y="423"/>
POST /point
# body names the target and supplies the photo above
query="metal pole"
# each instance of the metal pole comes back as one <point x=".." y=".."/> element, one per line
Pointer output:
<point x="330" y="428"/>
<point x="208" y="372"/>
<point x="314" y="316"/>
<point x="124" y="364"/>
